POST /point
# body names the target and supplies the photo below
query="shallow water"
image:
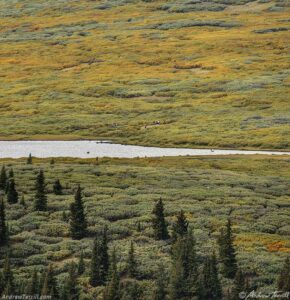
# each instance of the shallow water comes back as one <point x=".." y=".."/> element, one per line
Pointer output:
<point x="91" y="149"/>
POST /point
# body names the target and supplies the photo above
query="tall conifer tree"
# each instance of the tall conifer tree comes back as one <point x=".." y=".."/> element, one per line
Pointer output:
<point x="95" y="272"/>
<point x="29" y="159"/>
<point x="78" y="224"/>
<point x="3" y="179"/>
<point x="33" y="285"/>
<point x="8" y="277"/>
<point x="158" y="221"/>
<point x="57" y="187"/>
<point x="112" y="290"/>
<point x="81" y="265"/>
<point x="183" y="274"/>
<point x="104" y="255"/>
<point x="40" y="201"/>
<point x="209" y="284"/>
<point x="10" y="174"/>
<point x="131" y="267"/>
<point x="160" y="292"/>
<point x="227" y="252"/>
<point x="239" y="284"/>
<point x="49" y="287"/>
<point x="3" y="227"/>
<point x="180" y="227"/>
<point x="284" y="277"/>
<point x="12" y="194"/>
<point x="71" y="290"/>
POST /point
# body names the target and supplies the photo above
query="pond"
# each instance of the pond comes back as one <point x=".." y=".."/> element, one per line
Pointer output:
<point x="92" y="149"/>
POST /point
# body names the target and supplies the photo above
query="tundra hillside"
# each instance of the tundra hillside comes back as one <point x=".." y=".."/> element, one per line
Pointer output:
<point x="170" y="73"/>
<point x="84" y="229"/>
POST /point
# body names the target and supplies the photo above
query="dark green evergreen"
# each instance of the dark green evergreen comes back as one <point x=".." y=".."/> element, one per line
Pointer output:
<point x="139" y="227"/>
<point x="57" y="187"/>
<point x="8" y="277"/>
<point x="227" y="252"/>
<point x="105" y="264"/>
<point x="3" y="179"/>
<point x="180" y="227"/>
<point x="49" y="287"/>
<point x="100" y="260"/>
<point x="10" y="174"/>
<point x="239" y="284"/>
<point x="22" y="201"/>
<point x="177" y="282"/>
<point x="95" y="272"/>
<point x="3" y="226"/>
<point x="2" y="287"/>
<point x="71" y="290"/>
<point x="131" y="266"/>
<point x="81" y="265"/>
<point x="29" y="159"/>
<point x="184" y="268"/>
<point x="130" y="289"/>
<point x="160" y="292"/>
<point x="12" y="194"/>
<point x="78" y="224"/>
<point x="158" y="222"/>
<point x="112" y="290"/>
<point x="284" y="277"/>
<point x="33" y="285"/>
<point x="209" y="287"/>
<point x="40" y="200"/>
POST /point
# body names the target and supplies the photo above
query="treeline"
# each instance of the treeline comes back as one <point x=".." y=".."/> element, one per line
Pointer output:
<point x="191" y="275"/>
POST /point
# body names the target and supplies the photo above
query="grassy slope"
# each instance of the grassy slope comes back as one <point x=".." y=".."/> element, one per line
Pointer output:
<point x="73" y="70"/>
<point x="121" y="192"/>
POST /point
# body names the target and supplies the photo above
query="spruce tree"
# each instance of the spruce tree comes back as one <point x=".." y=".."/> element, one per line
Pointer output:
<point x="12" y="194"/>
<point x="81" y="265"/>
<point x="10" y="174"/>
<point x="2" y="287"/>
<point x="130" y="290"/>
<point x="3" y="227"/>
<point x="139" y="227"/>
<point x="78" y="224"/>
<point x="180" y="227"/>
<point x="239" y="284"/>
<point x="209" y="284"/>
<point x="104" y="255"/>
<point x="3" y="179"/>
<point x="71" y="289"/>
<point x="183" y="273"/>
<point x="33" y="285"/>
<point x="160" y="292"/>
<point x="40" y="201"/>
<point x="227" y="252"/>
<point x="158" y="221"/>
<point x="29" y="159"/>
<point x="9" y="289"/>
<point x="22" y="201"/>
<point x="49" y="287"/>
<point x="284" y="277"/>
<point x="112" y="290"/>
<point x="214" y="279"/>
<point x="177" y="282"/>
<point x="100" y="260"/>
<point x="8" y="277"/>
<point x="131" y="267"/>
<point x="95" y="272"/>
<point x="57" y="187"/>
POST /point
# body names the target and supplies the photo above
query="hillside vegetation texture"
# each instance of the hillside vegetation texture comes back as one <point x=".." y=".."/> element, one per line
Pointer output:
<point x="171" y="73"/>
<point x="121" y="193"/>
